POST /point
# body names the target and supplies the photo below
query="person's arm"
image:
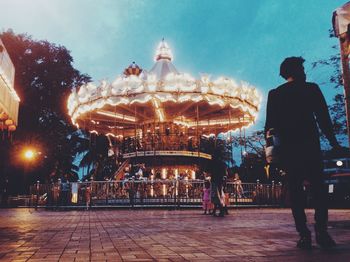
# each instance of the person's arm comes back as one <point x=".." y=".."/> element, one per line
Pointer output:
<point x="270" y="112"/>
<point x="323" y="119"/>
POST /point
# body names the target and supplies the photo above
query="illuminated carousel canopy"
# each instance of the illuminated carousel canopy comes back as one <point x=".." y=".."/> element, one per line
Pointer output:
<point x="163" y="95"/>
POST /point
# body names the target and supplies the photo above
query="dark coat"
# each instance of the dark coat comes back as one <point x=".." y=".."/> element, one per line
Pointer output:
<point x="296" y="110"/>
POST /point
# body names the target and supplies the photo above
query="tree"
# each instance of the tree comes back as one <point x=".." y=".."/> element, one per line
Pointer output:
<point x="253" y="157"/>
<point x="99" y="165"/>
<point x="44" y="77"/>
<point x="335" y="80"/>
<point x="255" y="143"/>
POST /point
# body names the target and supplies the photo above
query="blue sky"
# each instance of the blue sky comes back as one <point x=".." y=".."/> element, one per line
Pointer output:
<point x="242" y="39"/>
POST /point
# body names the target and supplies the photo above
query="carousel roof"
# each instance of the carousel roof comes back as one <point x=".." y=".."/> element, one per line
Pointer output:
<point x="164" y="95"/>
<point x="162" y="68"/>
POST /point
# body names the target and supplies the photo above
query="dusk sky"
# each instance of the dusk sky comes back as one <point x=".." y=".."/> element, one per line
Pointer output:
<point x="244" y="40"/>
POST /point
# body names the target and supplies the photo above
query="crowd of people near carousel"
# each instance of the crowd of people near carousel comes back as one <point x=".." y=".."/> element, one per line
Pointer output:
<point x="141" y="182"/>
<point x="215" y="193"/>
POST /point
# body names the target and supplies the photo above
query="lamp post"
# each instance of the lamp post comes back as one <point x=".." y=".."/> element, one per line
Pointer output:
<point x="29" y="155"/>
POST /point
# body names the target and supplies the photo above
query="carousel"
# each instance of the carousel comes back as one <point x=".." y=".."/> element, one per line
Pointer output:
<point x="163" y="119"/>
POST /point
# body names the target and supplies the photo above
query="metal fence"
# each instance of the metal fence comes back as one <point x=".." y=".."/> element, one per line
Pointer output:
<point x="130" y="193"/>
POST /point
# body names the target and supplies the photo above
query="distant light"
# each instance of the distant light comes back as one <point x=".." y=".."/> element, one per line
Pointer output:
<point x="29" y="154"/>
<point x="339" y="163"/>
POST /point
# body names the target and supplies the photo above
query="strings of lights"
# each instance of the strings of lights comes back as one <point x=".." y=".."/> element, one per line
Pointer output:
<point x="175" y="87"/>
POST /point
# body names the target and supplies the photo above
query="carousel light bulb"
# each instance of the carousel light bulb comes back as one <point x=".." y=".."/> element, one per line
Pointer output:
<point x="204" y="89"/>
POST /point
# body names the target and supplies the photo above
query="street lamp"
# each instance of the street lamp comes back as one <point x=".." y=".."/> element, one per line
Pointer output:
<point x="29" y="154"/>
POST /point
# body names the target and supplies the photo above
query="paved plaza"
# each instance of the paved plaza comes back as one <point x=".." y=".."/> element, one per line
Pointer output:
<point x="162" y="235"/>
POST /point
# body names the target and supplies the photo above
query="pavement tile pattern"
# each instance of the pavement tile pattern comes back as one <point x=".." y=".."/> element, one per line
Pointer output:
<point x="264" y="234"/>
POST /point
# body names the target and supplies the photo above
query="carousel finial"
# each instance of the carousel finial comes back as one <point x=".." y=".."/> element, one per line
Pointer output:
<point x="163" y="51"/>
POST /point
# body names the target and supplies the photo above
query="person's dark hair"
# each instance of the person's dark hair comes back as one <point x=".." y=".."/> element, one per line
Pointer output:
<point x="207" y="184"/>
<point x="293" y="67"/>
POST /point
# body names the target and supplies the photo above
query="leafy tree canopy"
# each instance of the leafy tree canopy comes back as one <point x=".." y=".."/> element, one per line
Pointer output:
<point x="44" y="77"/>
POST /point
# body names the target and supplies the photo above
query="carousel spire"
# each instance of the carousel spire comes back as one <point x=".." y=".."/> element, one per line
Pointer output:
<point x="163" y="52"/>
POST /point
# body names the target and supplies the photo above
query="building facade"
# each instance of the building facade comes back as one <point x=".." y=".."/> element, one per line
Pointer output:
<point x="9" y="100"/>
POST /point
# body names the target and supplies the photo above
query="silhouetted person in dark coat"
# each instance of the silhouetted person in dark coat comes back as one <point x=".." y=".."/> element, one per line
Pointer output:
<point x="217" y="169"/>
<point x="295" y="110"/>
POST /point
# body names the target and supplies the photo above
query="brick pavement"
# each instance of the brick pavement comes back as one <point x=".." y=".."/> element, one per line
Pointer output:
<point x="162" y="235"/>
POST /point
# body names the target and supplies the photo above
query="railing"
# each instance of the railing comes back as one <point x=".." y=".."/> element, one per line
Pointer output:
<point x="167" y="153"/>
<point x="130" y="193"/>
<point x="167" y="142"/>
